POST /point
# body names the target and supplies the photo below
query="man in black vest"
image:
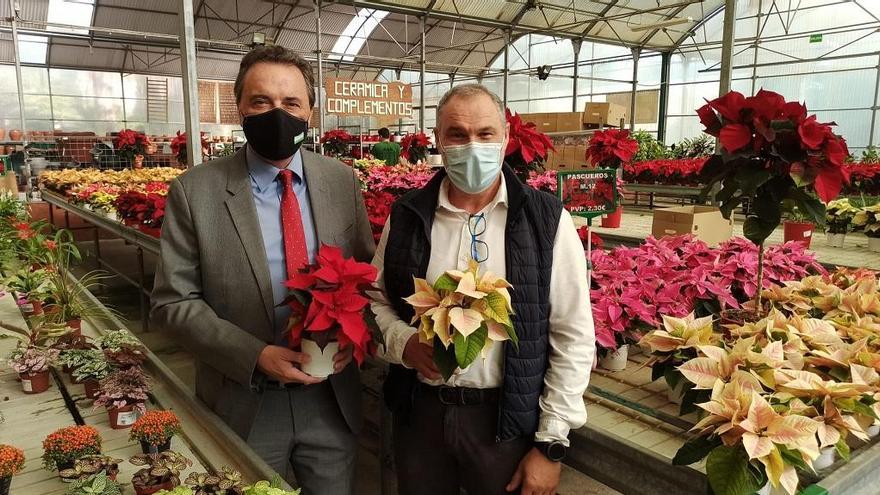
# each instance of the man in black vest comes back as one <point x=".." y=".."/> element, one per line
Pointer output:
<point x="502" y="424"/>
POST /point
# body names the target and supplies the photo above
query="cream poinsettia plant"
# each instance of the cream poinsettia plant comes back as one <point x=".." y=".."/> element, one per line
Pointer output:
<point x="462" y="314"/>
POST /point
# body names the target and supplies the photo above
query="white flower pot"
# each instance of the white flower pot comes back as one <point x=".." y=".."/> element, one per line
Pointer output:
<point x="836" y="240"/>
<point x="111" y="215"/>
<point x="615" y="360"/>
<point x="873" y="430"/>
<point x="825" y="459"/>
<point x="675" y="395"/>
<point x="321" y="363"/>
<point x="874" y="244"/>
<point x="88" y="206"/>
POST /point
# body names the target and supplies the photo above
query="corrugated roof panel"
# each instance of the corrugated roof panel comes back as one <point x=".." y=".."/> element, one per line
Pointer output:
<point x="72" y="54"/>
<point x="487" y="9"/>
<point x="110" y="17"/>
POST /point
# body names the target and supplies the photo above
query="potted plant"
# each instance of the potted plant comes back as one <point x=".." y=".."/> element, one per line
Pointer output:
<point x="131" y="146"/>
<point x="154" y="431"/>
<point x="159" y="472"/>
<point x="178" y="147"/>
<point x="32" y="365"/>
<point x="335" y="142"/>
<point x="268" y="488"/>
<point x="90" y="465"/>
<point x="226" y="482"/>
<point x="114" y="339"/>
<point x="797" y="227"/>
<point x="68" y="294"/>
<point x="868" y="221"/>
<point x="414" y="147"/>
<point x="11" y="462"/>
<point x="839" y="215"/>
<point x="32" y="287"/>
<point x="69" y="342"/>
<point x="72" y="359"/>
<point x="92" y="367"/>
<point x="611" y="149"/>
<point x="96" y="484"/>
<point x="770" y="152"/>
<point x="126" y="356"/>
<point x="527" y="147"/>
<point x="123" y="394"/>
<point x="64" y="446"/>
<point x="462" y="314"/>
<point x="327" y="302"/>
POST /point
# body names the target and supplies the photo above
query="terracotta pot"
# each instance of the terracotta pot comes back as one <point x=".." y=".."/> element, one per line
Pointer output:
<point x="15" y="135"/>
<point x="75" y="326"/>
<point x="5" y="483"/>
<point x="122" y="417"/>
<point x="612" y="220"/>
<point x="150" y="490"/>
<point x="91" y="388"/>
<point x="148" y="448"/>
<point x="34" y="383"/>
<point x="32" y="308"/>
<point x="801" y="232"/>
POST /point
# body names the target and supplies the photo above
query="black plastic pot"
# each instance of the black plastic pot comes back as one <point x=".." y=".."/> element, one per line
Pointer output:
<point x="148" y="448"/>
<point x="5" y="483"/>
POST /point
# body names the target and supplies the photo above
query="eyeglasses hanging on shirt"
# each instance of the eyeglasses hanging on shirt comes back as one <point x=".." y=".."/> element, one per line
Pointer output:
<point x="477" y="227"/>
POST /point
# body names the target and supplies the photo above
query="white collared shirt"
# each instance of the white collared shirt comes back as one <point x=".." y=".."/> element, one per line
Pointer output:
<point x="572" y="338"/>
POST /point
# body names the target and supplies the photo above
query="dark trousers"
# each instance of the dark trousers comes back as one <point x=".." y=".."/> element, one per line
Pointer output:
<point x="443" y="448"/>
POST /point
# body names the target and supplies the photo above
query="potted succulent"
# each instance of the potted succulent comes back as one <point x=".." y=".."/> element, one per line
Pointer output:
<point x="318" y="323"/>
<point x="11" y="462"/>
<point x="797" y="227"/>
<point x="90" y="370"/>
<point x="32" y="365"/>
<point x="96" y="484"/>
<point x="154" y="431"/>
<point x="868" y="221"/>
<point x="226" y="482"/>
<point x="64" y="446"/>
<point x="123" y="394"/>
<point x="90" y="465"/>
<point x="611" y="149"/>
<point x="839" y="215"/>
<point x="159" y="472"/>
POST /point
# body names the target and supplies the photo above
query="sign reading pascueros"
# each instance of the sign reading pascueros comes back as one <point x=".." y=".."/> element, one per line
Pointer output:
<point x="368" y="98"/>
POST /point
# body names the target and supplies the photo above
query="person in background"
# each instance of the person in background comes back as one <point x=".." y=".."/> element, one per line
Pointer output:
<point x="385" y="150"/>
<point x="235" y="230"/>
<point x="502" y="424"/>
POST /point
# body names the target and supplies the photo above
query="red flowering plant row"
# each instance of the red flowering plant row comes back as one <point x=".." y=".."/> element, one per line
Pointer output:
<point x="864" y="178"/>
<point x="680" y="172"/>
<point x="633" y="287"/>
<point x="384" y="184"/>
<point x="144" y="209"/>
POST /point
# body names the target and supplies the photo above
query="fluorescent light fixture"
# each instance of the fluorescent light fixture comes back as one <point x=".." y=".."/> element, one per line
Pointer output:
<point x="675" y="21"/>
<point x="258" y="39"/>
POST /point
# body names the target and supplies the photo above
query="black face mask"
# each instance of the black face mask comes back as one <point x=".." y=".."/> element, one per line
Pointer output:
<point x="275" y="134"/>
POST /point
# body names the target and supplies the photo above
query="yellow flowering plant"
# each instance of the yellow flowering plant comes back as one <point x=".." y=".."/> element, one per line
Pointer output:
<point x="462" y="314"/>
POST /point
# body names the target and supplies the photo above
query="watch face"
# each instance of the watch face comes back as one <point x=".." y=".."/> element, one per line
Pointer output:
<point x="556" y="451"/>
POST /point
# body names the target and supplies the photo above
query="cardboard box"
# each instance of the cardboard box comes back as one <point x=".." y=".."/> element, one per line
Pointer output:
<point x="545" y="122"/>
<point x="568" y="121"/>
<point x="607" y="114"/>
<point x="705" y="222"/>
<point x="9" y="182"/>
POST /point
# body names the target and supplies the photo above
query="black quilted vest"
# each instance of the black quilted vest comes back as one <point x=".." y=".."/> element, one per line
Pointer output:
<point x="532" y="221"/>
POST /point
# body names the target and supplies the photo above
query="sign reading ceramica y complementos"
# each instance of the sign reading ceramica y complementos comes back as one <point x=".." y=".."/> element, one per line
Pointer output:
<point x="368" y="98"/>
<point x="588" y="193"/>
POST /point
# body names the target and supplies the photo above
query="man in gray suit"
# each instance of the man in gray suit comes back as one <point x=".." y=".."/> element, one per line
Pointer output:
<point x="234" y="229"/>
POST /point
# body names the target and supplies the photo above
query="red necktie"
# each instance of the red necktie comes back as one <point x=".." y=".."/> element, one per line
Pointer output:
<point x="296" y="254"/>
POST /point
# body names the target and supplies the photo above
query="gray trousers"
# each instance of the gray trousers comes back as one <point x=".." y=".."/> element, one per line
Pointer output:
<point x="443" y="448"/>
<point x="303" y="429"/>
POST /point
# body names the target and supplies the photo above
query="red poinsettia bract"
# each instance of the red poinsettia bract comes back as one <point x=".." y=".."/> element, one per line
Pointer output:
<point x="336" y="287"/>
<point x="526" y="139"/>
<point x="611" y="148"/>
<point x="414" y="147"/>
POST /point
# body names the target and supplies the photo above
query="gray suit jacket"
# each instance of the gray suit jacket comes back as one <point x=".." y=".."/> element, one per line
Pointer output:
<point x="212" y="287"/>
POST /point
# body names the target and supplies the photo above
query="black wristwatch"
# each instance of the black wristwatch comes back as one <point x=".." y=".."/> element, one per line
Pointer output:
<point x="555" y="450"/>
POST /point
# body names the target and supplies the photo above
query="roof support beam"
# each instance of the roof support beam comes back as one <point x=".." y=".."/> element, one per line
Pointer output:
<point x="188" y="66"/>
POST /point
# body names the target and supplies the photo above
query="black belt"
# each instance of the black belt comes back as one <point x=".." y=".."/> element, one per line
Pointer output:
<point x="460" y="396"/>
<point x="275" y="385"/>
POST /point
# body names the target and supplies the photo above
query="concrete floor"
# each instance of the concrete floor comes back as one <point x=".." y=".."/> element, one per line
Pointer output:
<point x="124" y="298"/>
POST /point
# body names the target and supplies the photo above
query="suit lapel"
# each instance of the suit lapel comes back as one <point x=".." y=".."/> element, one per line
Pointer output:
<point x="244" y="216"/>
<point x="323" y="211"/>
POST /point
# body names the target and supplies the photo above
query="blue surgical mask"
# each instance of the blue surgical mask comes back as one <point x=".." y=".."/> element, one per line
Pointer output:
<point x="473" y="167"/>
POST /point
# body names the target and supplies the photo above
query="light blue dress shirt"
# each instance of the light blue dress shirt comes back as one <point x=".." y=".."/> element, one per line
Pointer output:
<point x="267" y="198"/>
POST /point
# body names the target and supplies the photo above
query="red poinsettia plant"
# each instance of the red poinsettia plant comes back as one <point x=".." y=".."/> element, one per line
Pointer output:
<point x="335" y="142"/>
<point x="328" y="301"/>
<point x="611" y="148"/>
<point x="178" y="146"/>
<point x="527" y="147"/>
<point x="771" y="153"/>
<point x="129" y="143"/>
<point x="378" y="204"/>
<point x="414" y="147"/>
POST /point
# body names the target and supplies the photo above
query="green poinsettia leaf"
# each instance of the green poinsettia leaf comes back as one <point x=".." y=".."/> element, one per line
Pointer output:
<point x="695" y="450"/>
<point x="445" y="282"/>
<point x="727" y="469"/>
<point x="468" y="348"/>
<point x="444" y="358"/>
<point x="757" y="230"/>
<point x="842" y="448"/>
<point x="495" y="308"/>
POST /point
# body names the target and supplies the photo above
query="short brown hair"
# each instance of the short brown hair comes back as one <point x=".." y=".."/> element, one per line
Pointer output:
<point x="274" y="54"/>
<point x="470" y="91"/>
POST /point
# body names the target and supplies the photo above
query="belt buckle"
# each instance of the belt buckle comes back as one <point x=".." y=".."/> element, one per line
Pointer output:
<point x="447" y="395"/>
